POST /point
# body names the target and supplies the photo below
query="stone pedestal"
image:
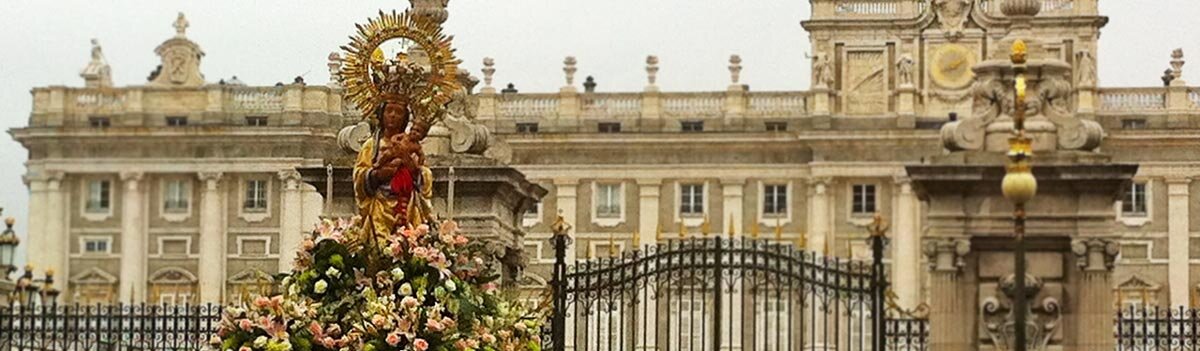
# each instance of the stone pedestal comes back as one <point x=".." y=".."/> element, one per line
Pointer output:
<point x="489" y="199"/>
<point x="1070" y="249"/>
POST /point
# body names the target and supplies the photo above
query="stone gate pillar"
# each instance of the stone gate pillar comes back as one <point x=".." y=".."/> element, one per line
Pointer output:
<point x="1094" y="325"/>
<point x="951" y="314"/>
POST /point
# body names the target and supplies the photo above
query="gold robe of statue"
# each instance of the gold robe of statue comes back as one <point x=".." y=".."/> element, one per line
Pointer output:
<point x="375" y="206"/>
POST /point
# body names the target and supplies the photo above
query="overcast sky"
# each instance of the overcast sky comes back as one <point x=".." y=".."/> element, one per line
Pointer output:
<point x="44" y="42"/>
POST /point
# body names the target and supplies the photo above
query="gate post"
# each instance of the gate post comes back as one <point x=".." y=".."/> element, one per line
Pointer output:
<point x="879" y="283"/>
<point x="558" y="284"/>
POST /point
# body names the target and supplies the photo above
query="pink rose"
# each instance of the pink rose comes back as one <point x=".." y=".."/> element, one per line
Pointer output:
<point x="261" y="302"/>
<point x="307" y="245"/>
<point x="316" y="330"/>
<point x="245" y="324"/>
<point x="434" y="325"/>
<point x="277" y="301"/>
<point x="460" y="344"/>
<point x="328" y="342"/>
<point x="393" y="339"/>
<point x="245" y="348"/>
<point x="448" y="323"/>
<point x="409" y="302"/>
<point x="420" y="344"/>
<point x="423" y="229"/>
<point x="488" y="338"/>
<point x="379" y="321"/>
<point x="460" y="240"/>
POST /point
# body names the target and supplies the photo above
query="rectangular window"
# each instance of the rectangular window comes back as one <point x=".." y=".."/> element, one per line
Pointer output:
<point x="256" y="196"/>
<point x="1134" y="204"/>
<point x="99" y="196"/>
<point x="776" y="126"/>
<point x="687" y="326"/>
<point x="691" y="126"/>
<point x="99" y="122"/>
<point x="608" y="200"/>
<point x="176" y="194"/>
<point x="1133" y="124"/>
<point x="528" y="128"/>
<point x="176" y="121"/>
<point x="691" y="199"/>
<point x="256" y="121"/>
<point x="775" y="199"/>
<point x="864" y="199"/>
<point x="532" y="211"/>
<point x="609" y="127"/>
<point x="95" y="246"/>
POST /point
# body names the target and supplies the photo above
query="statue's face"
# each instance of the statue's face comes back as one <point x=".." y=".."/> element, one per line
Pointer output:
<point x="394" y="116"/>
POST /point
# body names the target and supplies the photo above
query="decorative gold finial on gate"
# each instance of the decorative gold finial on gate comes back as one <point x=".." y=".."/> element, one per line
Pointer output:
<point x="612" y="245"/>
<point x="730" y="226"/>
<point x="637" y="238"/>
<point x="754" y="229"/>
<point x="778" y="229"/>
<point x="705" y="226"/>
<point x="877" y="227"/>
<point x="658" y="234"/>
<point x="682" y="230"/>
<point x="802" y="241"/>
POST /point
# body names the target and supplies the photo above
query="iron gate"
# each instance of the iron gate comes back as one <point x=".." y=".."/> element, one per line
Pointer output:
<point x="719" y="294"/>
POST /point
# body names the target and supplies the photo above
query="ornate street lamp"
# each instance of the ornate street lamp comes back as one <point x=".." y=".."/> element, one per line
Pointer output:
<point x="1019" y="186"/>
<point x="8" y="249"/>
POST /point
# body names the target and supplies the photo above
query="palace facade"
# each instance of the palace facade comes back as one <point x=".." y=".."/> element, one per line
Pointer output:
<point x="182" y="189"/>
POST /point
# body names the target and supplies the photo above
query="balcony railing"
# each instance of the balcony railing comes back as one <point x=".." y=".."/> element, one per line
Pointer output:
<point x="256" y="99"/>
<point x="867" y="7"/>
<point x="693" y="104"/>
<point x="777" y="104"/>
<point x="1133" y="99"/>
<point x="612" y="105"/>
<point x="528" y="105"/>
<point x="1049" y="7"/>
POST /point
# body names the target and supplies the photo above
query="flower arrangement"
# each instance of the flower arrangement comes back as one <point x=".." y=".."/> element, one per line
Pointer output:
<point x="422" y="289"/>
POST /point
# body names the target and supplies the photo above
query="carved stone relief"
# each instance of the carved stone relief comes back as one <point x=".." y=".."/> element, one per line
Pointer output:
<point x="865" y="83"/>
<point x="952" y="14"/>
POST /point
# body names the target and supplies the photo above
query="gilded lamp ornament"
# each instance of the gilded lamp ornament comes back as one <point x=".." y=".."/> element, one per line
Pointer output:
<point x="1019" y="185"/>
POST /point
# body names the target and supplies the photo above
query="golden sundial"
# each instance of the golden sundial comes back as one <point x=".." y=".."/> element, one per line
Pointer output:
<point x="951" y="66"/>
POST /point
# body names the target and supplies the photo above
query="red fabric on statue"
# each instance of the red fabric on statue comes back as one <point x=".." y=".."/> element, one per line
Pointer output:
<point x="402" y="186"/>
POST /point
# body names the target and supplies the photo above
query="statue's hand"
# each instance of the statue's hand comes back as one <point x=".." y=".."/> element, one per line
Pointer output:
<point x="384" y="173"/>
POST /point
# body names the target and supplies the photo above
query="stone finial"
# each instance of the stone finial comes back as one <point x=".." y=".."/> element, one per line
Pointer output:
<point x="489" y="69"/>
<point x="652" y="69"/>
<point x="181" y="25"/>
<point x="1177" y="64"/>
<point x="735" y="69"/>
<point x="569" y="69"/>
<point x="97" y="73"/>
<point x="335" y="69"/>
<point x="432" y="9"/>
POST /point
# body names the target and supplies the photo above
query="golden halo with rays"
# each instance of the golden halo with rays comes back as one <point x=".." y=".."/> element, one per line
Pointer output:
<point x="426" y="34"/>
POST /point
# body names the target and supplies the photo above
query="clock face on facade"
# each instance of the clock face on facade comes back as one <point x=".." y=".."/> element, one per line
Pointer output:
<point x="951" y="66"/>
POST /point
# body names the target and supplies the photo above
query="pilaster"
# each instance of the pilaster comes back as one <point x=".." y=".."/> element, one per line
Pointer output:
<point x="732" y="216"/>
<point x="565" y="198"/>
<point x="132" y="287"/>
<point x="291" y="210"/>
<point x="906" y="258"/>
<point x="1094" y="307"/>
<point x="818" y="213"/>
<point x="952" y="310"/>
<point x="649" y="194"/>
<point x="1177" y="239"/>
<point x="212" y="239"/>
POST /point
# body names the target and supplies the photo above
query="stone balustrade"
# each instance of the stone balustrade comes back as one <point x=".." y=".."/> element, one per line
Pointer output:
<point x="678" y="105"/>
<point x="828" y="9"/>
<point x="777" y="104"/>
<point x="1132" y="99"/>
<point x="867" y="8"/>
<point x="692" y="104"/>
<point x="67" y="106"/>
<point x="612" y="104"/>
<point x="528" y="105"/>
<point x="1049" y="7"/>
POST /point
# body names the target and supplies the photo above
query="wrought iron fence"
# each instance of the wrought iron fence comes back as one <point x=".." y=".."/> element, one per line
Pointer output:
<point x="1157" y="328"/>
<point x="720" y="293"/>
<point x="108" y="327"/>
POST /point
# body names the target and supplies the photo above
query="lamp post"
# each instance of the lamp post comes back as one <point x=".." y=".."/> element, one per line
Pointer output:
<point x="8" y="248"/>
<point x="1019" y="186"/>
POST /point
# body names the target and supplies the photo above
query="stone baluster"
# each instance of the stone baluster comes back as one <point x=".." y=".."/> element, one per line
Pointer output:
<point x="1094" y="307"/>
<point x="952" y="308"/>
<point x="212" y="239"/>
<point x="132" y="288"/>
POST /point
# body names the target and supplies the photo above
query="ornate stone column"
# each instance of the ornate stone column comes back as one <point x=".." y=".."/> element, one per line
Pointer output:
<point x="290" y="210"/>
<point x="818" y="213"/>
<point x="1177" y="239"/>
<point x="1094" y="308"/>
<point x="133" y="240"/>
<point x="953" y="311"/>
<point x="906" y="258"/>
<point x="212" y="240"/>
